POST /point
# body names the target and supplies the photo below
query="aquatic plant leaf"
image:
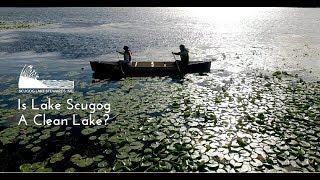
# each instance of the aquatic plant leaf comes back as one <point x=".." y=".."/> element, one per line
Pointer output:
<point x="91" y="138"/>
<point x="98" y="158"/>
<point x="103" y="164"/>
<point x="241" y="142"/>
<point x="88" y="131"/>
<point x="29" y="146"/>
<point x="66" y="148"/>
<point x="43" y="169"/>
<point x="60" y="134"/>
<point x="117" y="166"/>
<point x="44" y="136"/>
<point x="35" y="149"/>
<point x="70" y="170"/>
<point x="25" y="167"/>
<point x="104" y="170"/>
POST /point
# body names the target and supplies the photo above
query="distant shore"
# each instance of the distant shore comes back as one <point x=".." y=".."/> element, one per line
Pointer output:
<point x="20" y="25"/>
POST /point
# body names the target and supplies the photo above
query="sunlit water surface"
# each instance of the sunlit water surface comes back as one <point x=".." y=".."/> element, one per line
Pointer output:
<point x="243" y="116"/>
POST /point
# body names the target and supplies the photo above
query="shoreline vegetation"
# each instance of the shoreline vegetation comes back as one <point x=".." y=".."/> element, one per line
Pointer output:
<point x="20" y="25"/>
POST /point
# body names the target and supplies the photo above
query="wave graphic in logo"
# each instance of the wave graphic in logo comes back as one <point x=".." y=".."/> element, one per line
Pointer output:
<point x="29" y="80"/>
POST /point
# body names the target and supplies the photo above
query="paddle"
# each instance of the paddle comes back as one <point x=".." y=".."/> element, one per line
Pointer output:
<point x="177" y="64"/>
<point x="120" y="64"/>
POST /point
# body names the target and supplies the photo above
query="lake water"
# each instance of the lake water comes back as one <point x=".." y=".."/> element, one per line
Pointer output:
<point x="239" y="38"/>
<point x="256" y="111"/>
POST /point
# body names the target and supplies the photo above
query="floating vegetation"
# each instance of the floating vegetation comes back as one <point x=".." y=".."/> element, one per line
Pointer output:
<point x="20" y="24"/>
<point x="70" y="170"/>
<point x="56" y="157"/>
<point x="66" y="148"/>
<point x="35" y="167"/>
<point x="88" y="131"/>
<point x="35" y="149"/>
<point x="250" y="123"/>
<point x="60" y="134"/>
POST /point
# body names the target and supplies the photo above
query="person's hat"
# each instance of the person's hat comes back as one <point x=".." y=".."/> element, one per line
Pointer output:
<point x="125" y="47"/>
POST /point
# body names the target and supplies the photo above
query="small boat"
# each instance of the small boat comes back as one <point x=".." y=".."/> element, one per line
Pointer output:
<point x="107" y="69"/>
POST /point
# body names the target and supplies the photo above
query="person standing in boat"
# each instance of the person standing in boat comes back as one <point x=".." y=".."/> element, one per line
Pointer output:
<point x="184" y="55"/>
<point x="127" y="55"/>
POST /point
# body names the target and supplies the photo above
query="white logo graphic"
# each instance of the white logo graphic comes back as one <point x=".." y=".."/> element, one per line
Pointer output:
<point x="29" y="80"/>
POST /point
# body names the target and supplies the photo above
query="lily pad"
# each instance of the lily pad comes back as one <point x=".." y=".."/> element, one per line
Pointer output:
<point x="29" y="146"/>
<point x="192" y="124"/>
<point x="75" y="158"/>
<point x="25" y="167"/>
<point x="60" y="134"/>
<point x="66" y="148"/>
<point x="122" y="155"/>
<point x="21" y="142"/>
<point x="303" y="163"/>
<point x="91" y="138"/>
<point x="103" y="164"/>
<point x="70" y="170"/>
<point x="117" y="166"/>
<point x="245" y="168"/>
<point x="84" y="162"/>
<point x="56" y="158"/>
<point x="235" y="164"/>
<point x="88" y="131"/>
<point x="186" y="113"/>
<point x="256" y="163"/>
<point x="104" y="170"/>
<point x="241" y="142"/>
<point x="44" y="136"/>
<point x="98" y="158"/>
<point x="186" y="140"/>
<point x="136" y="145"/>
<point x="38" y="165"/>
<point x="146" y="164"/>
<point x="43" y="169"/>
<point x="284" y="163"/>
<point x="108" y="151"/>
<point x="135" y="159"/>
<point x="68" y="128"/>
<point x="37" y="141"/>
<point x="35" y="149"/>
<point x="213" y="165"/>
<point x="305" y="144"/>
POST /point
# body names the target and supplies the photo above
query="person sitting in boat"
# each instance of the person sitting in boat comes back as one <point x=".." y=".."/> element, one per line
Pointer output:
<point x="127" y="54"/>
<point x="184" y="55"/>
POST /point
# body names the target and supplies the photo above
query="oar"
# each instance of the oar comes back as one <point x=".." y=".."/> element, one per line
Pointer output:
<point x="177" y="64"/>
<point x="120" y="65"/>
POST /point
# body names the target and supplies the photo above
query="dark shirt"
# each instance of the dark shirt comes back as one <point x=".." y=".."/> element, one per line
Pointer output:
<point x="184" y="56"/>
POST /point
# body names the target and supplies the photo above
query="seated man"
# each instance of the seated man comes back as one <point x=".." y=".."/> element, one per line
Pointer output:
<point x="184" y="55"/>
<point x="127" y="55"/>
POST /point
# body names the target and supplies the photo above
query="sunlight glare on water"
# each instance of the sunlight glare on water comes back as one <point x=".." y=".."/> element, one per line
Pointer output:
<point x="238" y="38"/>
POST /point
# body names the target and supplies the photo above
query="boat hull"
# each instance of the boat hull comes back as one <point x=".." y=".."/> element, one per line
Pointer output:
<point x="104" y="69"/>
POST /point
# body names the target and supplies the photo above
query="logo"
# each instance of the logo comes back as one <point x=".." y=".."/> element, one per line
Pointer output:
<point x="29" y="83"/>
